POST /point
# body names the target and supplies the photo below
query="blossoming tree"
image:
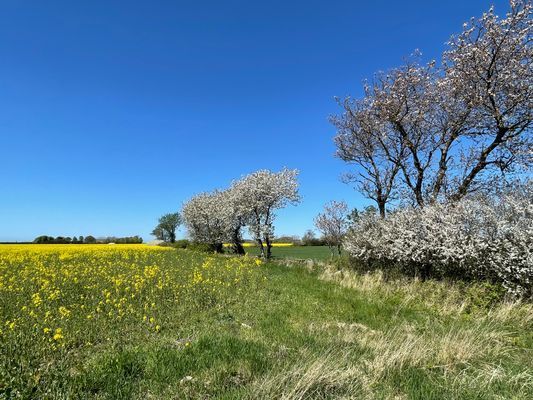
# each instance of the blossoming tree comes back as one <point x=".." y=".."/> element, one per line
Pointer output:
<point x="441" y="132"/>
<point x="262" y="193"/>
<point x="204" y="221"/>
<point x="333" y="223"/>
<point x="219" y="216"/>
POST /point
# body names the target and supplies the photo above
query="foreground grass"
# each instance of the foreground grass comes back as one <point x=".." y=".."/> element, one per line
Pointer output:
<point x="294" y="332"/>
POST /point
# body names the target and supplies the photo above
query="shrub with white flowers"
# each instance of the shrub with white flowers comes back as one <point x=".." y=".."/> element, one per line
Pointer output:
<point x="477" y="237"/>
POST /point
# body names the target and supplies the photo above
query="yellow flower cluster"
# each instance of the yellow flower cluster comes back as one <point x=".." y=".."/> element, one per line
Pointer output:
<point x="57" y="296"/>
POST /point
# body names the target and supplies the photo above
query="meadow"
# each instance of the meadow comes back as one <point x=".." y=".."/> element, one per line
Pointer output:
<point x="298" y="252"/>
<point x="134" y="321"/>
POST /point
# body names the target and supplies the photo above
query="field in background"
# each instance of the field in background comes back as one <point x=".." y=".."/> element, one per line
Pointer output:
<point x="121" y="322"/>
<point x="297" y="252"/>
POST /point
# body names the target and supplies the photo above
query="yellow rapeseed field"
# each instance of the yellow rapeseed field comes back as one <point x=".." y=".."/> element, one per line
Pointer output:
<point x="59" y="298"/>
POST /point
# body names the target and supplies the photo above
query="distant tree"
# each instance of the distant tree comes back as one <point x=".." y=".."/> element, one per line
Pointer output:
<point x="167" y="226"/>
<point x="160" y="234"/>
<point x="89" y="239"/>
<point x="309" y="238"/>
<point x="287" y="239"/>
<point x="43" y="239"/>
<point x="218" y="217"/>
<point x="333" y="223"/>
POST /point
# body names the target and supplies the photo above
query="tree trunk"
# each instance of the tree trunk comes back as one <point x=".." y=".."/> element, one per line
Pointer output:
<point x="238" y="249"/>
<point x="237" y="242"/>
<point x="261" y="247"/>
<point x="268" y="246"/>
<point x="381" y="207"/>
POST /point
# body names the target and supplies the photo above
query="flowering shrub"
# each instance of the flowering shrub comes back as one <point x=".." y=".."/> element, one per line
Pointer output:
<point x="475" y="238"/>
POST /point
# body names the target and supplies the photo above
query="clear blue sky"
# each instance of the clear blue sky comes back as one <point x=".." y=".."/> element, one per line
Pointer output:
<point x="114" y="112"/>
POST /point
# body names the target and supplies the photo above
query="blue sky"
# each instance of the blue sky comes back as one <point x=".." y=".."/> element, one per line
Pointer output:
<point x="114" y="112"/>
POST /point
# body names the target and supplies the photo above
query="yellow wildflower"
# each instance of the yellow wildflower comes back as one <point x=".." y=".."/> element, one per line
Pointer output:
<point x="58" y="335"/>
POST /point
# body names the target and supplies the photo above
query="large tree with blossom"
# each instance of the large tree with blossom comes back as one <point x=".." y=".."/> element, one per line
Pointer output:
<point x="204" y="220"/>
<point x="219" y="216"/>
<point x="360" y="141"/>
<point x="235" y="217"/>
<point x="434" y="132"/>
<point x="490" y="68"/>
<point x="261" y="193"/>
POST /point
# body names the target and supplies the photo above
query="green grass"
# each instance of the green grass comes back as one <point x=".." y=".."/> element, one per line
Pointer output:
<point x="298" y="252"/>
<point x="314" y="333"/>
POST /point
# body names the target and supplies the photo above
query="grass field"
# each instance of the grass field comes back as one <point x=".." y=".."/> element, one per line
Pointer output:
<point x="167" y="323"/>
<point x="298" y="252"/>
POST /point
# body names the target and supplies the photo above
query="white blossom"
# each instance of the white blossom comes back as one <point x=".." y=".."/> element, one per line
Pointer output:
<point x="478" y="237"/>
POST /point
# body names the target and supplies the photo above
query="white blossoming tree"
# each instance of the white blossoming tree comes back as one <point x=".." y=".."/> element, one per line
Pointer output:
<point x="434" y="132"/>
<point x="235" y="217"/>
<point x="261" y="193"/>
<point x="490" y="68"/>
<point x="360" y="140"/>
<point x="333" y="223"/>
<point x="219" y="216"/>
<point x="204" y="220"/>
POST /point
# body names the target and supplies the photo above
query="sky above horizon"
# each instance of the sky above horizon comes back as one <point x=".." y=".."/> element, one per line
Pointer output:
<point x="114" y="112"/>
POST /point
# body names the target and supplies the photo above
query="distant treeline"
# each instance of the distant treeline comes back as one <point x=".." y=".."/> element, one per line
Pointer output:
<point x="86" y="240"/>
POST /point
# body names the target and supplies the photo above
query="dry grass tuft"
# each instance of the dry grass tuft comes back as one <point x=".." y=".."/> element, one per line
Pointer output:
<point x="464" y="352"/>
<point x="315" y="377"/>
